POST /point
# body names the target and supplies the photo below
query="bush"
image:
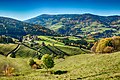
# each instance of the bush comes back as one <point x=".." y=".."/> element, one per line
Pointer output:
<point x="93" y="49"/>
<point x="39" y="64"/>
<point x="36" y="64"/>
<point x="47" y="61"/>
<point x="116" y="42"/>
<point x="8" y="70"/>
<point x="31" y="62"/>
<point x="108" y="49"/>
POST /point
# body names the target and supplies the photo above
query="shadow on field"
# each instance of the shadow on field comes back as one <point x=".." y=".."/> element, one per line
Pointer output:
<point x="59" y="72"/>
<point x="93" y="75"/>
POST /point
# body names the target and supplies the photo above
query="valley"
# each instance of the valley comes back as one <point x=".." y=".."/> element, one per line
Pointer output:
<point x="59" y="39"/>
<point x="81" y="46"/>
<point x="71" y="62"/>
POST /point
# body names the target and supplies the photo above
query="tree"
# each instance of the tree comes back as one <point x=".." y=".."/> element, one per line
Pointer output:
<point x="108" y="49"/>
<point x="31" y="62"/>
<point x="48" y="61"/>
<point x="43" y="44"/>
<point x="107" y="45"/>
<point x="93" y="49"/>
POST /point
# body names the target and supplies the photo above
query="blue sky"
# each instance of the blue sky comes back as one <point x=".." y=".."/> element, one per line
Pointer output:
<point x="25" y="9"/>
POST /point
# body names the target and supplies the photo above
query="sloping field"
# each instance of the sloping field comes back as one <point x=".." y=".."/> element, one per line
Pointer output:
<point x="83" y="66"/>
<point x="6" y="48"/>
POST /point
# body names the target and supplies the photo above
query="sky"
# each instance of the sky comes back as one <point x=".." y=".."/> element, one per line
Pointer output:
<point x="26" y="9"/>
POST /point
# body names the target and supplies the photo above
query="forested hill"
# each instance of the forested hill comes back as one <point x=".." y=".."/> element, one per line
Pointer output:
<point x="12" y="27"/>
<point x="80" y="24"/>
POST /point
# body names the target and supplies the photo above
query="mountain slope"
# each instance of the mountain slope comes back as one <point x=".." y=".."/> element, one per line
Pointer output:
<point x="12" y="27"/>
<point x="80" y="24"/>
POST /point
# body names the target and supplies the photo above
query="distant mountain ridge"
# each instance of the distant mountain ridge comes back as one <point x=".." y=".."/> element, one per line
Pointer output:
<point x="80" y="24"/>
<point x="12" y="27"/>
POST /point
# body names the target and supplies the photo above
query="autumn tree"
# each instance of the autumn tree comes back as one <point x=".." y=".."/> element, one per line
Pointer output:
<point x="107" y="45"/>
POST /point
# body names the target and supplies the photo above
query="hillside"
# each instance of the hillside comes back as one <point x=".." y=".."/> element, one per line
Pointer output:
<point x="15" y="28"/>
<point x="54" y="47"/>
<point x="19" y="64"/>
<point x="80" y="24"/>
<point x="84" y="66"/>
<point x="23" y="51"/>
<point x="6" y="48"/>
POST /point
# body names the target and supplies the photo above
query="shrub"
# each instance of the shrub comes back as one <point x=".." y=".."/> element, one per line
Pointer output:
<point x="93" y="49"/>
<point x="12" y="55"/>
<point x="34" y="66"/>
<point x="8" y="70"/>
<point x="39" y="64"/>
<point x="116" y="41"/>
<point x="89" y="46"/>
<point x="47" y="61"/>
<point x="108" y="49"/>
<point x="31" y="62"/>
<point x="1" y="53"/>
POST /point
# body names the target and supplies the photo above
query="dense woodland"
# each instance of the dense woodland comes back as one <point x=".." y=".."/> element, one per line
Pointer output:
<point x="15" y="28"/>
<point x="80" y="24"/>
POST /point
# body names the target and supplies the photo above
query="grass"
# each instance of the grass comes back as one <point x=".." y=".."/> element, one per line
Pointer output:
<point x="52" y="50"/>
<point x="25" y="52"/>
<point x="80" y="66"/>
<point x="91" y="66"/>
<point x="58" y="49"/>
<point x="19" y="64"/>
<point x="93" y="30"/>
<point x="48" y="40"/>
<point x="22" y="52"/>
<point x="56" y="27"/>
<point x="74" y="38"/>
<point x="69" y="37"/>
<point x="90" y="40"/>
<point x="83" y="66"/>
<point x="6" y="48"/>
<point x="71" y="50"/>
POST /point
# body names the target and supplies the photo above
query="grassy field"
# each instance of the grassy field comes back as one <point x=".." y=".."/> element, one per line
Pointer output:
<point x="48" y="40"/>
<point x="76" y="66"/>
<point x="58" y="48"/>
<point x="20" y="65"/>
<point x="70" y="38"/>
<point x="55" y="47"/>
<point x="6" y="48"/>
<point x="59" y="45"/>
<point x="25" y="52"/>
<point x="71" y="50"/>
<point x="56" y="26"/>
<point x="83" y="66"/>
